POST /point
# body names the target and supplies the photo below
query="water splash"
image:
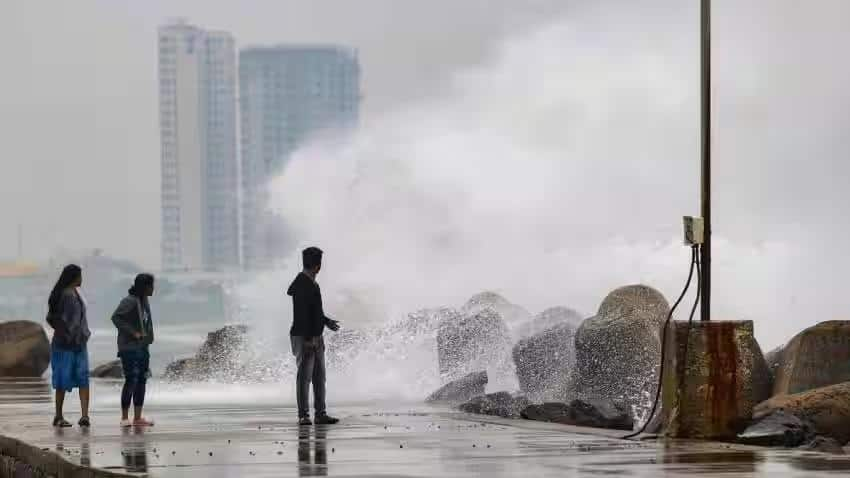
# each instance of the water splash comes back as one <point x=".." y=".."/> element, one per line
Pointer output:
<point x="547" y="176"/>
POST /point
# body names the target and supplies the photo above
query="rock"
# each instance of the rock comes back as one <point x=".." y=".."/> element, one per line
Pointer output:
<point x="777" y="429"/>
<point x="511" y="313"/>
<point x="773" y="359"/>
<point x="217" y="358"/>
<point x="223" y="346"/>
<point x="461" y="390"/>
<point x="416" y="327"/>
<point x="24" y="349"/>
<point x="111" y="369"/>
<point x="598" y="413"/>
<point x="544" y="362"/>
<point x="475" y="342"/>
<point x="425" y="321"/>
<point x="826" y="408"/>
<point x="500" y="404"/>
<point x="762" y="376"/>
<point x="182" y="369"/>
<point x="824" y="445"/>
<point x="547" y="412"/>
<point x="595" y="412"/>
<point x="618" y="352"/>
<point x="549" y="319"/>
<point x="816" y="357"/>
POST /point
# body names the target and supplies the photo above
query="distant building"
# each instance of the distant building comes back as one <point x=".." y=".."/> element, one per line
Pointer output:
<point x="200" y="182"/>
<point x="287" y="95"/>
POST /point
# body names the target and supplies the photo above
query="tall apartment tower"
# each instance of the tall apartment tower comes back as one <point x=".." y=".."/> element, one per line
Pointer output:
<point x="200" y="181"/>
<point x="287" y="94"/>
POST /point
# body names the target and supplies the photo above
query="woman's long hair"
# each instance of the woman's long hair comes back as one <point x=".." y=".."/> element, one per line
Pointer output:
<point x="69" y="275"/>
<point x="141" y="284"/>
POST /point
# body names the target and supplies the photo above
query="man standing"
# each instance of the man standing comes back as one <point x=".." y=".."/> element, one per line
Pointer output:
<point x="308" y="347"/>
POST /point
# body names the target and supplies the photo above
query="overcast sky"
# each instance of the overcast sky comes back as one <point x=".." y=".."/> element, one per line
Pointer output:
<point x="588" y="110"/>
<point x="78" y="95"/>
<point x="78" y="103"/>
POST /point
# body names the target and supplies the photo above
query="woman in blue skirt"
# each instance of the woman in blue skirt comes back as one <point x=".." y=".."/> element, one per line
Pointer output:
<point x="66" y="313"/>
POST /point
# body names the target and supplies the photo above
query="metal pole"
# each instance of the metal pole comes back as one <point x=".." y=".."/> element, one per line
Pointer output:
<point x="705" y="137"/>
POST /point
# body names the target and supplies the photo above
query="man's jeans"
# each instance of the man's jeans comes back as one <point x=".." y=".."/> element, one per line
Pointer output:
<point x="310" y="359"/>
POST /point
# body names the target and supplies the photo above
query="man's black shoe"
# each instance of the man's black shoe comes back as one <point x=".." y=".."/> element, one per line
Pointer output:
<point x="325" y="419"/>
<point x="304" y="421"/>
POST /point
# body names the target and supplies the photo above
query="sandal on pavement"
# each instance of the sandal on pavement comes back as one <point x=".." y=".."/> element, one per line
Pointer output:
<point x="61" y="422"/>
<point x="142" y="422"/>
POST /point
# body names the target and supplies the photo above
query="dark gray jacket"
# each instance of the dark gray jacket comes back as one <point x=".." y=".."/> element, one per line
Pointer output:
<point x="73" y="332"/>
<point x="128" y="319"/>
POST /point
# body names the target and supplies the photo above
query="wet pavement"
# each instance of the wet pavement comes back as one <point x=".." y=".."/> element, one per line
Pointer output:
<point x="412" y="440"/>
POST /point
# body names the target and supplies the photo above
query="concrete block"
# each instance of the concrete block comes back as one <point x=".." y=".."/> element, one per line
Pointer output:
<point x="711" y="378"/>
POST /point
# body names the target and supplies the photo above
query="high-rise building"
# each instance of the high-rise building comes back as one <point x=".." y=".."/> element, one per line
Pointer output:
<point x="287" y="95"/>
<point x="200" y="181"/>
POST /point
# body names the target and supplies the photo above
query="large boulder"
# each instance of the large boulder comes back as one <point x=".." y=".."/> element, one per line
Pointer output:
<point x="773" y="359"/>
<point x="816" y="357"/>
<point x="549" y="319"/>
<point x="598" y="413"/>
<point x="762" y="375"/>
<point x="595" y="412"/>
<point x="460" y="390"/>
<point x="826" y="408"/>
<point x="544" y="362"/>
<point x="224" y="345"/>
<point x="545" y="412"/>
<point x="422" y="322"/>
<point x="618" y="352"/>
<point x="185" y="369"/>
<point x="500" y="404"/>
<point x="218" y="357"/>
<point x="778" y="428"/>
<point x="111" y="369"/>
<point x="24" y="349"/>
<point x="511" y="313"/>
<point x="480" y="341"/>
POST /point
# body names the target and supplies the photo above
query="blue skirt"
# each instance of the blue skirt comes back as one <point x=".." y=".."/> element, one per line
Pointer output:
<point x="70" y="368"/>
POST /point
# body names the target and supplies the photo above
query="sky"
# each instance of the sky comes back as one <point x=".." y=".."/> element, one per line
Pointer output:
<point x="544" y="149"/>
<point x="79" y="110"/>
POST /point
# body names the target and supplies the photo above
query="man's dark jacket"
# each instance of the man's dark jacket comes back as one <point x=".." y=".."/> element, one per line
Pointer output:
<point x="308" y="317"/>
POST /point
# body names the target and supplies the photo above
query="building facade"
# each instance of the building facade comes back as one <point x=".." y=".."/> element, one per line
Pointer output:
<point x="288" y="94"/>
<point x="200" y="175"/>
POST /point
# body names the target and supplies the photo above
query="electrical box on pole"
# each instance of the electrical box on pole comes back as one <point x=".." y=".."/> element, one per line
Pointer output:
<point x="694" y="230"/>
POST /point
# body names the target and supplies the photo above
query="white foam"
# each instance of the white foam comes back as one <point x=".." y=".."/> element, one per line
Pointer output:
<point x="553" y="174"/>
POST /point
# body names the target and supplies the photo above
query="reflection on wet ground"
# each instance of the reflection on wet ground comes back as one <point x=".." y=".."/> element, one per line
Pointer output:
<point x="24" y="391"/>
<point x="313" y="451"/>
<point x="377" y="439"/>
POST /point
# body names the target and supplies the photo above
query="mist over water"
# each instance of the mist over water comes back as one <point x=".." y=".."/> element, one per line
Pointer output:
<point x="559" y="171"/>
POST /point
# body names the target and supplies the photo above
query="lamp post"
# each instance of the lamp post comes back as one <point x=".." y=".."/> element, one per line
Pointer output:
<point x="705" y="146"/>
